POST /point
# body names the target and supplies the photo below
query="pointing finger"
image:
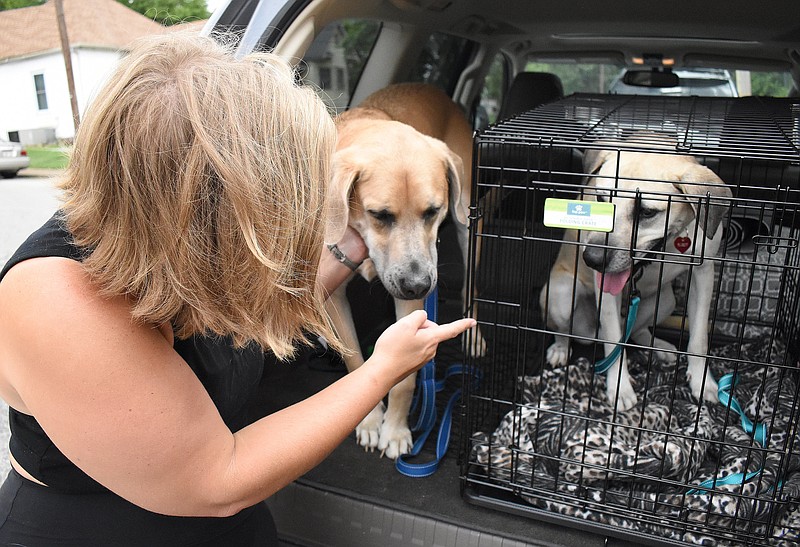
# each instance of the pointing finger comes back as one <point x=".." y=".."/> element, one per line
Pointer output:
<point x="451" y="330"/>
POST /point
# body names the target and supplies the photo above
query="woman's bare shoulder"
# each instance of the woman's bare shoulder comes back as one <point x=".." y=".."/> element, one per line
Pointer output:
<point x="97" y="381"/>
<point x="40" y="299"/>
<point x="38" y="277"/>
<point x="49" y="307"/>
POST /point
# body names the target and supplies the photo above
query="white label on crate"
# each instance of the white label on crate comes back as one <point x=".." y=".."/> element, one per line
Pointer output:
<point x="597" y="216"/>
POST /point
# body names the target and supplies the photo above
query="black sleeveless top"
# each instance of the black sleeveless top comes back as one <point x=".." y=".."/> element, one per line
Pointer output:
<point x="229" y="375"/>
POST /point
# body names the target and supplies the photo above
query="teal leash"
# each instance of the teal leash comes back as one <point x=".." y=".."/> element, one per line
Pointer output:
<point x="726" y="384"/>
<point x="602" y="366"/>
<point x="759" y="432"/>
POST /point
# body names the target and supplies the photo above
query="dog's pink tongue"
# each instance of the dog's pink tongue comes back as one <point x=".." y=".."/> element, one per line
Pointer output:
<point x="613" y="282"/>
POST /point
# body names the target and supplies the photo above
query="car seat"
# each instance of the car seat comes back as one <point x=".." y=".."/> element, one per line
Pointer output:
<point x="520" y="210"/>
<point x="529" y="90"/>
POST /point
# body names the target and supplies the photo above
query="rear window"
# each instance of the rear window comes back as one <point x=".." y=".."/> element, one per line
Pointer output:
<point x="764" y="83"/>
<point x="700" y="82"/>
<point x="579" y="77"/>
<point x="604" y="78"/>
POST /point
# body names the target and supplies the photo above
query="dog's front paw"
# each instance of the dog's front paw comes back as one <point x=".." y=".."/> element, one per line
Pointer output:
<point x="709" y="387"/>
<point x="558" y="354"/>
<point x="476" y="343"/>
<point x="626" y="399"/>
<point x="368" y="432"/>
<point x="665" y="351"/>
<point x="620" y="391"/>
<point x="395" y="440"/>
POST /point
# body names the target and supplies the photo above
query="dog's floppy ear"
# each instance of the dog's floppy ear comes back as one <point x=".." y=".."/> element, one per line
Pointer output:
<point x="343" y="175"/>
<point x="459" y="210"/>
<point x="594" y="159"/>
<point x="699" y="180"/>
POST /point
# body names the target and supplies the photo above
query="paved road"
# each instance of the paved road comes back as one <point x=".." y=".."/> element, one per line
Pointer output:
<point x="26" y="202"/>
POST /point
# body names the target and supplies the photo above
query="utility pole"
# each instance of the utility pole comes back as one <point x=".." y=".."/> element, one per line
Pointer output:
<point x="65" y="50"/>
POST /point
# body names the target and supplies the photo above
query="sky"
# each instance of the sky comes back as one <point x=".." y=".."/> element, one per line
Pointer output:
<point x="213" y="4"/>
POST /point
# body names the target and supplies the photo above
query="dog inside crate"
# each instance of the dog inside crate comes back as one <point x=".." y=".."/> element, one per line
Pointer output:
<point x="677" y="419"/>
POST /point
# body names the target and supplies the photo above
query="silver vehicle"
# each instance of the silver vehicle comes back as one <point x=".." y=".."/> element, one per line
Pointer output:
<point x="475" y="50"/>
<point x="13" y="157"/>
<point x="499" y="61"/>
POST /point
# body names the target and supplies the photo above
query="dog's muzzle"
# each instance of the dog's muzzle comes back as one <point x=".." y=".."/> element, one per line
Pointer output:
<point x="414" y="287"/>
<point x="614" y="267"/>
<point x="606" y="260"/>
<point x="412" y="282"/>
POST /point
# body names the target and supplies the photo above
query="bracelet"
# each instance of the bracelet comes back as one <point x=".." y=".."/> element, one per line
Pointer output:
<point x="341" y="257"/>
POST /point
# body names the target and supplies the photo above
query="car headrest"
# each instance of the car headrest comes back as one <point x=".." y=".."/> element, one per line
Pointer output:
<point x="529" y="90"/>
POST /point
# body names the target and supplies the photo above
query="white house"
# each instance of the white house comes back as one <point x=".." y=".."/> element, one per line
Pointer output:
<point x="34" y="96"/>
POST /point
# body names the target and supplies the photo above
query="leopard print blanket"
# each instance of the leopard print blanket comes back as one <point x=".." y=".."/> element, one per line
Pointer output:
<point x="562" y="449"/>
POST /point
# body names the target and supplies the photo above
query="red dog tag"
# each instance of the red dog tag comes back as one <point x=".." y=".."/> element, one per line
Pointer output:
<point x="682" y="243"/>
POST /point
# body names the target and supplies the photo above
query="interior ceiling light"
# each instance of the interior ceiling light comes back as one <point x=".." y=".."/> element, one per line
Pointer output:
<point x="653" y="59"/>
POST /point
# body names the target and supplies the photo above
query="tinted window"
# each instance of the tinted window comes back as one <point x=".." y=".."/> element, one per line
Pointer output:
<point x="441" y="61"/>
<point x="578" y="77"/>
<point x="767" y="84"/>
<point x="698" y="82"/>
<point x="494" y="87"/>
<point x="336" y="58"/>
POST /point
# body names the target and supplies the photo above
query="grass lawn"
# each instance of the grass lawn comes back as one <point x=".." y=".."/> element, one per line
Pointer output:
<point x="48" y="157"/>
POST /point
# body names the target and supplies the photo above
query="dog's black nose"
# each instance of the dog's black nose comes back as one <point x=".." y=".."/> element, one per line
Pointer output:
<point x="595" y="258"/>
<point x="415" y="287"/>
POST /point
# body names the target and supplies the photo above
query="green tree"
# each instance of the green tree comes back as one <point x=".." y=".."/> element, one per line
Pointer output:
<point x="492" y="86"/>
<point x="770" y="84"/>
<point x="13" y="4"/>
<point x="169" y="12"/>
<point x="166" y="12"/>
<point x="356" y="37"/>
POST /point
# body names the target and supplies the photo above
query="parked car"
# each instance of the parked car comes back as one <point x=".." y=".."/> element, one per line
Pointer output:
<point x="498" y="60"/>
<point x="13" y="157"/>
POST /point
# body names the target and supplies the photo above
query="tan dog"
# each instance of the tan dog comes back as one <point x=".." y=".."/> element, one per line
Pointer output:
<point x="667" y="222"/>
<point x="398" y="170"/>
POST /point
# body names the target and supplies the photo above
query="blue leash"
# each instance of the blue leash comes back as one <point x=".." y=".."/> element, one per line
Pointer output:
<point x="426" y="377"/>
<point x="425" y="398"/>
<point x="443" y="439"/>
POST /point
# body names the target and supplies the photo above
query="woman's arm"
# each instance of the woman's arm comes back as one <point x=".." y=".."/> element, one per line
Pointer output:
<point x="122" y="405"/>
<point x="332" y="271"/>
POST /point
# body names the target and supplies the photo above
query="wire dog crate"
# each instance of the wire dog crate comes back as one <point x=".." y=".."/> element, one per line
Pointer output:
<point x="543" y="436"/>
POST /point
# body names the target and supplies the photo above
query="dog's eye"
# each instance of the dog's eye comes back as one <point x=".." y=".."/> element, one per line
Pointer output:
<point x="601" y="197"/>
<point x="647" y="212"/>
<point x="430" y="213"/>
<point x="383" y="216"/>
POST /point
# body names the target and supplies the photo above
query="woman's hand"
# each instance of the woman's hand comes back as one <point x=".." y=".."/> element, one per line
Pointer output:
<point x="412" y="341"/>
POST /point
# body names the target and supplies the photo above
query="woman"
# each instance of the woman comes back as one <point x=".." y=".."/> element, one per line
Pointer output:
<point x="133" y="325"/>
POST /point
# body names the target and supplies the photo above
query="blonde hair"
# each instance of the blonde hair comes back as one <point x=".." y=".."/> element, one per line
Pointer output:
<point x="198" y="183"/>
